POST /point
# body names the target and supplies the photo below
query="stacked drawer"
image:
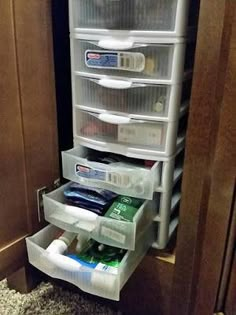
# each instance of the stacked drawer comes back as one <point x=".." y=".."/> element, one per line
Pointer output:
<point x="130" y="98"/>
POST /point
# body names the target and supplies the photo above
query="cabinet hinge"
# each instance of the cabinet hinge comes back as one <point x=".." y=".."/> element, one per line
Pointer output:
<point x="42" y="191"/>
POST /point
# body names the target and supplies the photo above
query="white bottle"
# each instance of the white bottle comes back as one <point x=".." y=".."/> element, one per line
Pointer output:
<point x="82" y="242"/>
<point x="60" y="245"/>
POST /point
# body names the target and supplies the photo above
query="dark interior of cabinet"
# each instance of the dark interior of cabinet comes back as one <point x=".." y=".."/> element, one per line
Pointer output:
<point x="155" y="274"/>
<point x="61" y="41"/>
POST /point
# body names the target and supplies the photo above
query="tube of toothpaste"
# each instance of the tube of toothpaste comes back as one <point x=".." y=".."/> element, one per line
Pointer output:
<point x="98" y="257"/>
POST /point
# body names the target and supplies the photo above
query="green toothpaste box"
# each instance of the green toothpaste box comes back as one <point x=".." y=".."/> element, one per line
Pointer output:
<point x="124" y="208"/>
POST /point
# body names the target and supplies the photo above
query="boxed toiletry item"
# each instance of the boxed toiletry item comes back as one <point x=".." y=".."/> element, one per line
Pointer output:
<point x="93" y="199"/>
<point x="140" y="133"/>
<point x="124" y="208"/>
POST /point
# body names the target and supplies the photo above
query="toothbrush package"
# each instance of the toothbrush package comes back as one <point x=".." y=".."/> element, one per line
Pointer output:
<point x="94" y="199"/>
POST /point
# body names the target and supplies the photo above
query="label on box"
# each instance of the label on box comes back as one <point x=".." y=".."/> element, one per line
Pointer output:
<point x="113" y="178"/>
<point x="106" y="268"/>
<point x="119" y="180"/>
<point x="124" y="208"/>
<point x="115" y="60"/>
<point x="89" y="173"/>
<point x="142" y="134"/>
<point x="113" y="235"/>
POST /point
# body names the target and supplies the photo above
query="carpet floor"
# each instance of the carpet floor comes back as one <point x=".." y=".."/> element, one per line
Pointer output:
<point x="48" y="299"/>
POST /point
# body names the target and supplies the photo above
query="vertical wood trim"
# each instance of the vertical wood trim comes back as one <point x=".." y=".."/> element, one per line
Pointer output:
<point x="206" y="105"/>
<point x="230" y="307"/>
<point x="37" y="88"/>
<point x="229" y="256"/>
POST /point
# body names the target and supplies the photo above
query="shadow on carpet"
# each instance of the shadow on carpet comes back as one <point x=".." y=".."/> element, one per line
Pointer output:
<point x="48" y="299"/>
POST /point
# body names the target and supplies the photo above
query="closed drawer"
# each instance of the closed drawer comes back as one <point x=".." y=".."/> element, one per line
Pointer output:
<point x="122" y="135"/>
<point x="161" y="62"/>
<point x="136" y="100"/>
<point x="104" y="230"/>
<point x="158" y="17"/>
<point x="98" y="282"/>
<point x="124" y="178"/>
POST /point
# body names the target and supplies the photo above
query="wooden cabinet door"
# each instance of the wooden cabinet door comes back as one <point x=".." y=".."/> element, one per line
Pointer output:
<point x="28" y="125"/>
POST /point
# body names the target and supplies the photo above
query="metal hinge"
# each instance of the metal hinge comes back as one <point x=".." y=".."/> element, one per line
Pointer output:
<point x="42" y="191"/>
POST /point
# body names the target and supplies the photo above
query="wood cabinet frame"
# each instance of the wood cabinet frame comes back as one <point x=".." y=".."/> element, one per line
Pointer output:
<point x="191" y="285"/>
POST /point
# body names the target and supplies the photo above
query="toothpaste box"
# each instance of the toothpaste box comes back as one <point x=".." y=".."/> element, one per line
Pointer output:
<point x="124" y="208"/>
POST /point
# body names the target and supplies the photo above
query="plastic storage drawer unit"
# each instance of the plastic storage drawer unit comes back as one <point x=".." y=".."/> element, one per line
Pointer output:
<point x="122" y="135"/>
<point x="159" y="61"/>
<point x="98" y="282"/>
<point x="134" y="180"/>
<point x="151" y="17"/>
<point x="136" y="100"/>
<point x="104" y="230"/>
<point x="165" y="223"/>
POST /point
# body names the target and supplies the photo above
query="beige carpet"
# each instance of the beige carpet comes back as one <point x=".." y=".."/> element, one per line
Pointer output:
<point x="48" y="299"/>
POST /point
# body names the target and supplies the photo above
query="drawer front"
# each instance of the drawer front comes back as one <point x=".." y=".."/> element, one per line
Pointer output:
<point x="130" y="180"/>
<point x="157" y="63"/>
<point x="137" y="100"/>
<point x="166" y="17"/>
<point x="104" y="230"/>
<point x="122" y="133"/>
<point x="91" y="280"/>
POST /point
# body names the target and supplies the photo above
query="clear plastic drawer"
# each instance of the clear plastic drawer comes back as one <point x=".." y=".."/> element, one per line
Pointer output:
<point x="122" y="135"/>
<point x="157" y="62"/>
<point x="94" y="281"/>
<point x="136" y="100"/>
<point x="104" y="230"/>
<point x="141" y="184"/>
<point x="158" y="17"/>
<point x="129" y="177"/>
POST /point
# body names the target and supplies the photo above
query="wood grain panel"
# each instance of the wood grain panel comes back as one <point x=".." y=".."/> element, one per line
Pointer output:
<point x="13" y="205"/>
<point x="12" y="257"/>
<point x="37" y="88"/>
<point x="201" y="174"/>
<point x="222" y="189"/>
<point x="148" y="291"/>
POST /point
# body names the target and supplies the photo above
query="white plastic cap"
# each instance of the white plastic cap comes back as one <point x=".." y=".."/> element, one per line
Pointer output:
<point x="57" y="247"/>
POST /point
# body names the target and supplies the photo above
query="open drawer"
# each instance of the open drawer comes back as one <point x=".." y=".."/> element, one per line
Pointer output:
<point x="126" y="136"/>
<point x="92" y="280"/>
<point x="156" y="62"/>
<point x="137" y="17"/>
<point x="104" y="230"/>
<point x="135" y="100"/>
<point x="130" y="178"/>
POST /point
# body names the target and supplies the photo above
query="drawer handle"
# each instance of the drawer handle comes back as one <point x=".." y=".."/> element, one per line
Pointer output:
<point x="63" y="262"/>
<point x="115" y="84"/>
<point x="115" y="44"/>
<point x="114" y="119"/>
<point x="81" y="214"/>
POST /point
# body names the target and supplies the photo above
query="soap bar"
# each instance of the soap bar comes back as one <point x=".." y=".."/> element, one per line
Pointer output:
<point x="124" y="208"/>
